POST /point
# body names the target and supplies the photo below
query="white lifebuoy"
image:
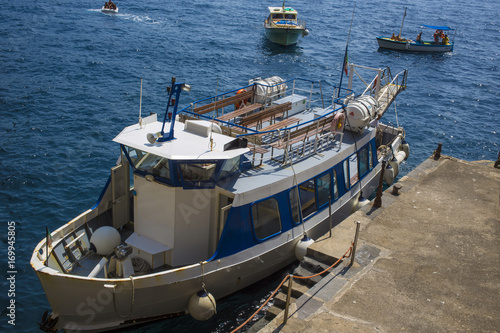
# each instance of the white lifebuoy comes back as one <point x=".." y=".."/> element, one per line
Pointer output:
<point x="338" y="123"/>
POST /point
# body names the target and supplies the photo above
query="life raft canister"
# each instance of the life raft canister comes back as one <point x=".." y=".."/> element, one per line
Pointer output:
<point x="338" y="123"/>
<point x="243" y="103"/>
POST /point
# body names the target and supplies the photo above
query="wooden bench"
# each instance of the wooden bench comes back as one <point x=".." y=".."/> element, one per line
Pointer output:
<point x="302" y="134"/>
<point x="279" y="125"/>
<point x="257" y="150"/>
<point x="240" y="112"/>
<point x="224" y="102"/>
<point x="268" y="114"/>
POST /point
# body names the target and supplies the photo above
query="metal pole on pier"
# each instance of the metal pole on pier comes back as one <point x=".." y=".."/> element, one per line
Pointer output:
<point x="288" y="296"/>
<point x="355" y="243"/>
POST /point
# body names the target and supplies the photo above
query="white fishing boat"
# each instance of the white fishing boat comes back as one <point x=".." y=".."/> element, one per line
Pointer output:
<point x="283" y="27"/>
<point x="225" y="192"/>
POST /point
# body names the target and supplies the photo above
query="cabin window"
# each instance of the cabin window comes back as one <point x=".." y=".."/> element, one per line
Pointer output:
<point x="290" y="16"/>
<point x="197" y="172"/>
<point x="323" y="185"/>
<point x="149" y="163"/>
<point x="230" y="167"/>
<point x="266" y="218"/>
<point x="353" y="169"/>
<point x="335" y="186"/>
<point x="307" y="193"/>
<point x="363" y="161"/>
<point x="294" y="204"/>
<point x="345" y="167"/>
<point x="370" y="154"/>
<point x="277" y="16"/>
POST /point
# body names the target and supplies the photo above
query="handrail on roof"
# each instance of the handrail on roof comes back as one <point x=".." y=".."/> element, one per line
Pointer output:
<point x="296" y="126"/>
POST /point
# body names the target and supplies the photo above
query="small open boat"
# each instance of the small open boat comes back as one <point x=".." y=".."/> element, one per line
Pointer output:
<point x="109" y="8"/>
<point x="283" y="27"/>
<point x="440" y="42"/>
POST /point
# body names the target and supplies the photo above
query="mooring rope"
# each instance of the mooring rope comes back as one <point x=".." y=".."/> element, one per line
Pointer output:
<point x="347" y="254"/>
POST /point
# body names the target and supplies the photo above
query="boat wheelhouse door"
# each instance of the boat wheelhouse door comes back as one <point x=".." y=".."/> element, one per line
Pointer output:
<point x="120" y="192"/>
<point x="224" y="204"/>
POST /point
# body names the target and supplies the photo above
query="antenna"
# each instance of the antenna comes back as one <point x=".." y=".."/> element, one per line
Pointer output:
<point x="346" y="58"/>
<point x="211" y="146"/>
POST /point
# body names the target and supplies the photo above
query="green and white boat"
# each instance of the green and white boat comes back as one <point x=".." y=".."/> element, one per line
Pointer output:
<point x="283" y="27"/>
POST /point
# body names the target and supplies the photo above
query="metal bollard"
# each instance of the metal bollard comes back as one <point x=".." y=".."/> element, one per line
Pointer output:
<point x="395" y="189"/>
<point x="437" y="153"/>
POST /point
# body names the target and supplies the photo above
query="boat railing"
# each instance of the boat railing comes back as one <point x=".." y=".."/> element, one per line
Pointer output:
<point x="297" y="141"/>
<point x="213" y="99"/>
<point x="389" y="91"/>
<point x="274" y="92"/>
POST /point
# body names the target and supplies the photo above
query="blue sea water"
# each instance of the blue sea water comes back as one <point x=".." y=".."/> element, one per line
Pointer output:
<point x="70" y="81"/>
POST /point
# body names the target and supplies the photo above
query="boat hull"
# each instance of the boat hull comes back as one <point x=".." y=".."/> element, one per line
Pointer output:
<point x="98" y="304"/>
<point x="283" y="36"/>
<point x="109" y="11"/>
<point x="410" y="46"/>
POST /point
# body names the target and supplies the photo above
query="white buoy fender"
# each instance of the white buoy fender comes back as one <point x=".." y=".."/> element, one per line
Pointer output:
<point x="301" y="247"/>
<point x="406" y="148"/>
<point x="362" y="201"/>
<point x="104" y="240"/>
<point x="396" y="161"/>
<point x="202" y="305"/>
<point x="389" y="175"/>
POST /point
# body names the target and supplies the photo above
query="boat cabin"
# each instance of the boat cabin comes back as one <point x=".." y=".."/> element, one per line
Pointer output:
<point x="197" y="159"/>
<point x="280" y="15"/>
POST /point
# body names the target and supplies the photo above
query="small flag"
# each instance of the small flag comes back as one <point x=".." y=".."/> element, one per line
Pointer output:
<point x="346" y="63"/>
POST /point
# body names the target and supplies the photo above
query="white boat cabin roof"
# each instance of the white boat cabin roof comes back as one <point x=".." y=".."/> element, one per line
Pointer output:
<point x="282" y="10"/>
<point x="190" y="143"/>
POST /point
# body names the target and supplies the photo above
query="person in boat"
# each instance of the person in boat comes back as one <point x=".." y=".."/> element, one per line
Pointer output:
<point x="445" y="40"/>
<point x="436" y="37"/>
<point x="419" y="37"/>
<point x="393" y="37"/>
<point x="112" y="5"/>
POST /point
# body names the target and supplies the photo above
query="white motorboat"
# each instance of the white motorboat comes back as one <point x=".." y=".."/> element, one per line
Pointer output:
<point x="283" y="27"/>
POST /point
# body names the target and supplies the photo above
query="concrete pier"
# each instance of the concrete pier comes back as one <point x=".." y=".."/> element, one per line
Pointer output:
<point x="428" y="260"/>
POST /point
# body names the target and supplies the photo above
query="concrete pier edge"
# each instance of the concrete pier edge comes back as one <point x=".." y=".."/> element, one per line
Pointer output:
<point x="427" y="260"/>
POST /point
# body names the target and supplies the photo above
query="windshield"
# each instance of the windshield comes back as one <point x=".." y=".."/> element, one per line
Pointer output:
<point x="150" y="163"/>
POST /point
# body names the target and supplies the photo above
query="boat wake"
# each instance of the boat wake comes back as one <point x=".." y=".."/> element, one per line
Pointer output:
<point x="141" y="18"/>
<point x="136" y="18"/>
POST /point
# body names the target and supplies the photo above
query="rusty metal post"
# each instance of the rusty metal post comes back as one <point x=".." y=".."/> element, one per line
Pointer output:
<point x="288" y="296"/>
<point x="437" y="153"/>
<point x="355" y="243"/>
<point x="377" y="203"/>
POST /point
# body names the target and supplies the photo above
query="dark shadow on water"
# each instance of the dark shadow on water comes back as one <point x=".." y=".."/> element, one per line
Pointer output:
<point x="271" y="49"/>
